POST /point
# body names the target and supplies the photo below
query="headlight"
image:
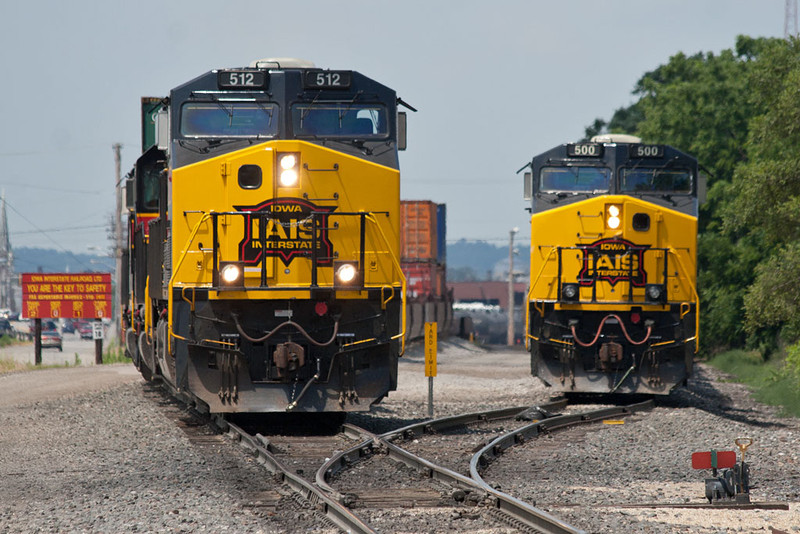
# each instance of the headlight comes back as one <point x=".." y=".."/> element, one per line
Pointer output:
<point x="656" y="293"/>
<point x="231" y="274"/>
<point x="288" y="169"/>
<point x="288" y="178"/>
<point x="288" y="161"/>
<point x="346" y="273"/>
<point x="570" y="291"/>
<point x="613" y="219"/>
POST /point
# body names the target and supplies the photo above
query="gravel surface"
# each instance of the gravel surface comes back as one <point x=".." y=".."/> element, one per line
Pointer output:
<point x="111" y="454"/>
<point x="579" y="475"/>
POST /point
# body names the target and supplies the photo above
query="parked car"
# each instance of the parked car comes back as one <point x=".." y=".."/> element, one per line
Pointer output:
<point x="85" y="331"/>
<point x="68" y="327"/>
<point x="47" y="324"/>
<point x="52" y="339"/>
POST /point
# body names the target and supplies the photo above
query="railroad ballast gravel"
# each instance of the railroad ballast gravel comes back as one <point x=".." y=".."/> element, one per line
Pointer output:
<point x="115" y="461"/>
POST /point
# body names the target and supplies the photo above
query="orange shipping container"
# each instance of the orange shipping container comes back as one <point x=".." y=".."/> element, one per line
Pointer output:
<point x="418" y="232"/>
<point x="425" y="280"/>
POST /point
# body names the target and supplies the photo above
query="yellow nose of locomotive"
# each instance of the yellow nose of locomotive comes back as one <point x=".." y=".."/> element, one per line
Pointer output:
<point x="277" y="210"/>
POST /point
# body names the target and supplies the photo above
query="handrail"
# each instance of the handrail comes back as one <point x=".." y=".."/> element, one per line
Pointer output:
<point x="148" y="308"/>
<point x="402" y="335"/>
<point x="696" y="300"/>
<point x="171" y="285"/>
<point x="669" y="250"/>
<point x="206" y="215"/>
<point x="530" y="292"/>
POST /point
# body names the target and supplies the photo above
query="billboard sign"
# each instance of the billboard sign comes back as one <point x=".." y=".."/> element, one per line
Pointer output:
<point x="66" y="295"/>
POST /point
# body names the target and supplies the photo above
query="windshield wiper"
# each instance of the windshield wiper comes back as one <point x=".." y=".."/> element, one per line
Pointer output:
<point x="308" y="109"/>
<point x="266" y="110"/>
<point x="350" y="105"/>
<point x="211" y="144"/>
<point x="228" y="112"/>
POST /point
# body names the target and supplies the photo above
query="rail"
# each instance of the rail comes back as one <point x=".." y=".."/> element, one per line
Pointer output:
<point x="520" y="511"/>
<point x="339" y="514"/>
<point x="490" y="452"/>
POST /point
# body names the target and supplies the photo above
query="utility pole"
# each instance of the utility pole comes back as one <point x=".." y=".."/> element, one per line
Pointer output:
<point x="6" y="261"/>
<point x="790" y="19"/>
<point x="510" y="333"/>
<point x="116" y="302"/>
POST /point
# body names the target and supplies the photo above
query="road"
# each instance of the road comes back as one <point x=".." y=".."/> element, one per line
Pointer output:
<point x="76" y="350"/>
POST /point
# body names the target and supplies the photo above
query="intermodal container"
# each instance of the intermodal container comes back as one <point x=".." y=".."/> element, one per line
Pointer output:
<point x="420" y="278"/>
<point x="150" y="106"/>
<point x="418" y="233"/>
<point x="425" y="280"/>
<point x="441" y="233"/>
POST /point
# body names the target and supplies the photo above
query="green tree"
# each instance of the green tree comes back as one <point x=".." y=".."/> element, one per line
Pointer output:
<point x="624" y="120"/>
<point x="699" y="104"/>
<point x="702" y="104"/>
<point x="766" y="205"/>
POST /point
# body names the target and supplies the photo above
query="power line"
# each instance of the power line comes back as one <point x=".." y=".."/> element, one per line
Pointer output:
<point x="54" y="151"/>
<point x="45" y="234"/>
<point x="55" y="189"/>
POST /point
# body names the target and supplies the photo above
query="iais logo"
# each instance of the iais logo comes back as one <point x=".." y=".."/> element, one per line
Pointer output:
<point x="286" y="232"/>
<point x="613" y="260"/>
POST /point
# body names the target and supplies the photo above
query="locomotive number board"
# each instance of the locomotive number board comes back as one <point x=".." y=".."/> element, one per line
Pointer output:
<point x="585" y="150"/>
<point x="646" y="151"/>
<point x="327" y="79"/>
<point x="242" y="79"/>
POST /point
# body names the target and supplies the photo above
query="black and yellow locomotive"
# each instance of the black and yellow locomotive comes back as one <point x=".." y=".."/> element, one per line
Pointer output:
<point x="263" y="265"/>
<point x="612" y="303"/>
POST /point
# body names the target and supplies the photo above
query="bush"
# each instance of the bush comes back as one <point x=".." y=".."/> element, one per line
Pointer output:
<point x="770" y="381"/>
<point x="792" y="367"/>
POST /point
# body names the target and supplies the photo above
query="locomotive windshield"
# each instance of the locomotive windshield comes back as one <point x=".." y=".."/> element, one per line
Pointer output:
<point x="229" y="119"/>
<point x="344" y="119"/>
<point x="574" y="180"/>
<point x="656" y="180"/>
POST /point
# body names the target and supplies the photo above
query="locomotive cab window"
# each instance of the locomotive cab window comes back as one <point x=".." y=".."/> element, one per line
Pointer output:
<point x="151" y="189"/>
<point x="639" y="180"/>
<point x="574" y="180"/>
<point x="229" y="119"/>
<point x="345" y="119"/>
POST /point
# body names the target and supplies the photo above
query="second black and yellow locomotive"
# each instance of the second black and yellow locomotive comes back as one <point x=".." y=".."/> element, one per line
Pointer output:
<point x="612" y="303"/>
<point x="264" y="232"/>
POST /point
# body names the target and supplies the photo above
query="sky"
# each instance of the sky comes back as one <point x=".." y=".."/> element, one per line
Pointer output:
<point x="494" y="82"/>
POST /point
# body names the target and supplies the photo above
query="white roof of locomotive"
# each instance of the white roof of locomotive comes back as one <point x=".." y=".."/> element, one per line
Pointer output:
<point x="282" y="63"/>
<point x="616" y="138"/>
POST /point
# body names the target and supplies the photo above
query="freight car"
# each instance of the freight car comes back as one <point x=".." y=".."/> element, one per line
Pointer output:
<point x="612" y="304"/>
<point x="423" y="237"/>
<point x="264" y="231"/>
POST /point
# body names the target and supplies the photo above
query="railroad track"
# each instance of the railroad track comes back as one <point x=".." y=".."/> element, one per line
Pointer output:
<point x="500" y="506"/>
<point x="307" y="464"/>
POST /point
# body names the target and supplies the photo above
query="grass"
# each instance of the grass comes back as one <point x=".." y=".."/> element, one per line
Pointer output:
<point x="767" y="380"/>
<point x="9" y="366"/>
<point x="7" y="340"/>
<point x="115" y="354"/>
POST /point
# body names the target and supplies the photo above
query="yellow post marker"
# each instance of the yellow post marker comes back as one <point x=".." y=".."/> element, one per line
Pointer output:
<point x="430" y="349"/>
<point x="430" y="361"/>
